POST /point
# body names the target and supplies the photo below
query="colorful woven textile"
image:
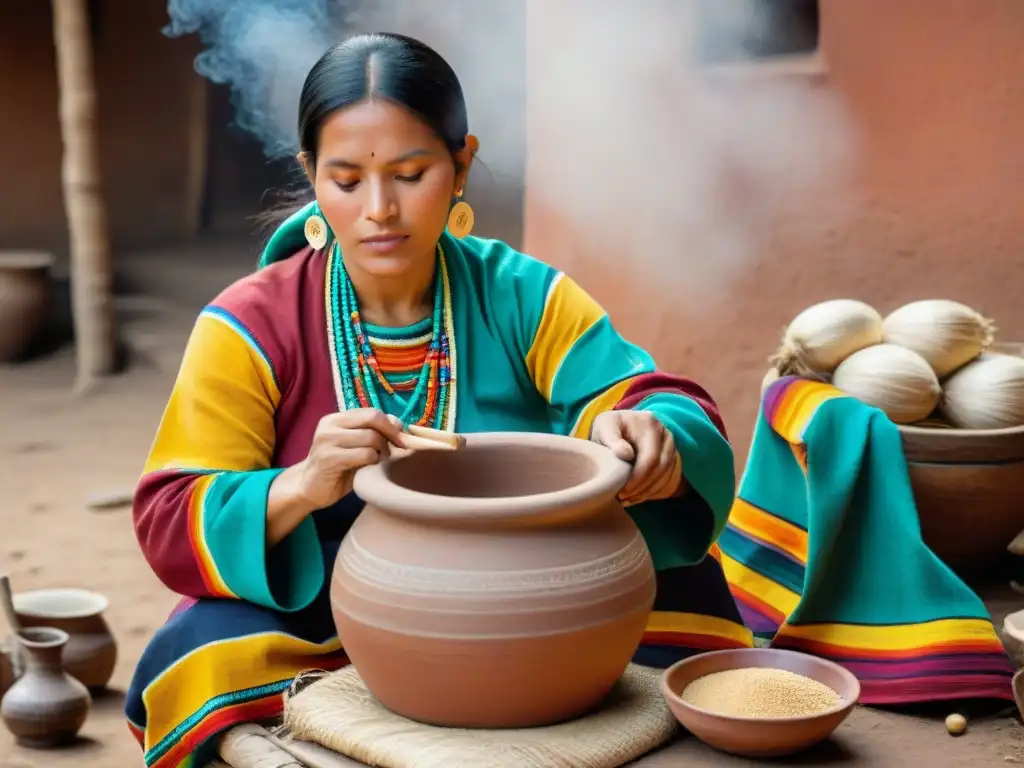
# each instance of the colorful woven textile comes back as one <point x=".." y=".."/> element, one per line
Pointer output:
<point x="823" y="553"/>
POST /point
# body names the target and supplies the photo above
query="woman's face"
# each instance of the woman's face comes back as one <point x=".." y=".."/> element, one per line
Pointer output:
<point x="384" y="182"/>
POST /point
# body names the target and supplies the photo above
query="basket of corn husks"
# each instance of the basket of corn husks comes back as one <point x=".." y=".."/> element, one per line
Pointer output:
<point x="957" y="396"/>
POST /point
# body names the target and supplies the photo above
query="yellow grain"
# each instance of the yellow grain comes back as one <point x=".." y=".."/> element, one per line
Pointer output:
<point x="760" y="692"/>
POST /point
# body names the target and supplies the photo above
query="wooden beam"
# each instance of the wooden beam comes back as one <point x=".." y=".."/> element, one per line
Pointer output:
<point x="196" y="142"/>
<point x="91" y="263"/>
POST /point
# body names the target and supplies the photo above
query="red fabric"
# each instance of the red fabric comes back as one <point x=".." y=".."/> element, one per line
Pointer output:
<point x="648" y="384"/>
<point x="282" y="307"/>
<point x="160" y="512"/>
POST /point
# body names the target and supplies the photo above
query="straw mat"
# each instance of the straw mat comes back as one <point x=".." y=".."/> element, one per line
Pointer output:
<point x="339" y="713"/>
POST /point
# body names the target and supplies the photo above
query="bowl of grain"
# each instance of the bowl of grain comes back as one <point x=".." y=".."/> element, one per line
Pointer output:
<point x="759" y="702"/>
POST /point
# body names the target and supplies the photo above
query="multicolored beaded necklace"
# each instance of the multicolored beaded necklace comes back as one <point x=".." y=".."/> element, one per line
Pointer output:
<point x="358" y="377"/>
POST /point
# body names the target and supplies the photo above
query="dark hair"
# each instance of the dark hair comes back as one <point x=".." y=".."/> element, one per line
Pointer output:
<point x="377" y="65"/>
<point x="385" y="66"/>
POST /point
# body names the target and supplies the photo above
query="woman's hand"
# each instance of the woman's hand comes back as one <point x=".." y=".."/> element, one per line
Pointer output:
<point x="343" y="442"/>
<point x="641" y="439"/>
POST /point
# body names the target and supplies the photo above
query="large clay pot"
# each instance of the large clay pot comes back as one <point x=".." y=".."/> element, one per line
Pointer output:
<point x="25" y="290"/>
<point x="46" y="707"/>
<point x="501" y="585"/>
<point x="91" y="653"/>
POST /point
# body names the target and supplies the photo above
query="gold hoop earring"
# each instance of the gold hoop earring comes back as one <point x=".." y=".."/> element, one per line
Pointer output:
<point x="316" y="232"/>
<point x="461" y="219"/>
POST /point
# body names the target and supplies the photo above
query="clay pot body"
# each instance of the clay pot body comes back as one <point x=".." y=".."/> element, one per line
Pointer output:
<point x="498" y="586"/>
<point x="46" y="707"/>
<point x="91" y="653"/>
<point x="25" y="291"/>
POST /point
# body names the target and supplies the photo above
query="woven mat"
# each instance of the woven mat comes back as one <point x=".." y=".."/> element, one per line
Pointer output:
<point x="339" y="713"/>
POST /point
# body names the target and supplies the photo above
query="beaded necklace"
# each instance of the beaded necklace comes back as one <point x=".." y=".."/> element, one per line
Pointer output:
<point x="357" y="373"/>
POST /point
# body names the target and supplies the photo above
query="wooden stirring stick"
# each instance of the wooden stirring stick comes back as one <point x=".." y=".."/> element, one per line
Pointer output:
<point x="416" y="438"/>
<point x="450" y="438"/>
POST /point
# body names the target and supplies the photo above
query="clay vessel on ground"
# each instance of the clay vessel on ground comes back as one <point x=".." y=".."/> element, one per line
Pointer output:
<point x="25" y="291"/>
<point x="46" y="707"/>
<point x="91" y="653"/>
<point x="501" y="585"/>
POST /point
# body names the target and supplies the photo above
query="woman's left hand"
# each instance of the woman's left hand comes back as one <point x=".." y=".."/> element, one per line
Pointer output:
<point x="641" y="439"/>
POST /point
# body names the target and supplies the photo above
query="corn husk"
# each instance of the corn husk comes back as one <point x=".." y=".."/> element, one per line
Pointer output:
<point x="892" y="378"/>
<point x="987" y="393"/>
<point x="947" y="334"/>
<point x="825" y="334"/>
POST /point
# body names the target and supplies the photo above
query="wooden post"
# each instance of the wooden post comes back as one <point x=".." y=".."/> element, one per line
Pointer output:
<point x="91" y="264"/>
<point x="197" y="138"/>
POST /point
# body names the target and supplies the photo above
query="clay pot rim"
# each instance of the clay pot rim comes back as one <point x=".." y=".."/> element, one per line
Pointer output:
<point x="1011" y="628"/>
<point x="373" y="485"/>
<point x="84" y="603"/>
<point x="58" y="637"/>
<point x="910" y="429"/>
<point x="27" y="259"/>
<point x="846" y="703"/>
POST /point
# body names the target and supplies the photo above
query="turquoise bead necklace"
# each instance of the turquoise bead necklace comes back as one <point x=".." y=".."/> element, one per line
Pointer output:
<point x="358" y="374"/>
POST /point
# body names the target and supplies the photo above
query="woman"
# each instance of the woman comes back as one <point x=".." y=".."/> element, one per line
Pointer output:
<point x="366" y="315"/>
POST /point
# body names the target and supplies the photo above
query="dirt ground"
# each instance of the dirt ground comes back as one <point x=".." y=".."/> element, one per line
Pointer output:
<point x="58" y="450"/>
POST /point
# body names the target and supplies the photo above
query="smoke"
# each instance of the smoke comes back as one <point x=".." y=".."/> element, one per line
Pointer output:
<point x="682" y="170"/>
<point x="644" y="152"/>
<point x="262" y="49"/>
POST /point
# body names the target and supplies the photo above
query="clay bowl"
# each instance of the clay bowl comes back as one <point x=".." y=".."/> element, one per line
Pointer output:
<point x="759" y="737"/>
<point x="91" y="652"/>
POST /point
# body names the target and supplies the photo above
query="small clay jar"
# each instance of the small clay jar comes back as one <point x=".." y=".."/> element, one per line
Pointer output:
<point x="501" y="585"/>
<point x="46" y="707"/>
<point x="91" y="653"/>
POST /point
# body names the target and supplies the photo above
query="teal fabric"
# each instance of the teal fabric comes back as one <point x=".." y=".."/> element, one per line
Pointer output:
<point x="289" y="237"/>
<point x="867" y="563"/>
<point x="828" y="470"/>
<point x="864" y="506"/>
<point x="290" y="575"/>
<point x="600" y="357"/>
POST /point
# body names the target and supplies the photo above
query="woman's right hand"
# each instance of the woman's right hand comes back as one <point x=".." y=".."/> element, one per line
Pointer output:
<point x="343" y="442"/>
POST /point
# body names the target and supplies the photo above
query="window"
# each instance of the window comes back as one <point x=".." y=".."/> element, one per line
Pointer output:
<point x="738" y="31"/>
